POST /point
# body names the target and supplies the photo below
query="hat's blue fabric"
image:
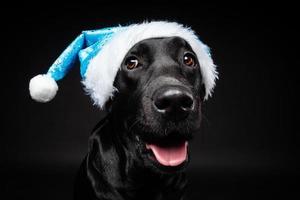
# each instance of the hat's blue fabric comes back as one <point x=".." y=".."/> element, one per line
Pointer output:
<point x="84" y="47"/>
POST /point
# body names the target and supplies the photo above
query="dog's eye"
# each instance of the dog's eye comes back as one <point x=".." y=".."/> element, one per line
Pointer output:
<point x="132" y="62"/>
<point x="189" y="60"/>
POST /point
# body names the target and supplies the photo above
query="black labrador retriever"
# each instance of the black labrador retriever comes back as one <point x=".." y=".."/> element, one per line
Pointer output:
<point x="140" y="149"/>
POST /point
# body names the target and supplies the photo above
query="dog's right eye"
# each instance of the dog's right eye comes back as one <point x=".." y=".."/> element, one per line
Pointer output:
<point x="132" y="63"/>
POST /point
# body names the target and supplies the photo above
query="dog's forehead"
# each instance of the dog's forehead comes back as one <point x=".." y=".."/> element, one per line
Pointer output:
<point x="159" y="44"/>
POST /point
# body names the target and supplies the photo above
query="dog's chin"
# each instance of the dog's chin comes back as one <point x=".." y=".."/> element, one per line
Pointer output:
<point x="165" y="156"/>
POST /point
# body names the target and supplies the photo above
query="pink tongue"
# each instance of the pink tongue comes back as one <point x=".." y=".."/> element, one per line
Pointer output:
<point x="169" y="156"/>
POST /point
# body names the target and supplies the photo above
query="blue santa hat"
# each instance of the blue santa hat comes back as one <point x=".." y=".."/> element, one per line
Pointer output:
<point x="101" y="53"/>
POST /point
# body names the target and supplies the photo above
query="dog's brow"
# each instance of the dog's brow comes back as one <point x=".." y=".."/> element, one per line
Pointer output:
<point x="141" y="49"/>
<point x="178" y="42"/>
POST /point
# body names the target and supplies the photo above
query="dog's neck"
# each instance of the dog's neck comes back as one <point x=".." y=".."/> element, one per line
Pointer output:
<point x="114" y="173"/>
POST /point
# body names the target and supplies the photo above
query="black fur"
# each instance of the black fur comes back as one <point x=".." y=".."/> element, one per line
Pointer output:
<point x="118" y="166"/>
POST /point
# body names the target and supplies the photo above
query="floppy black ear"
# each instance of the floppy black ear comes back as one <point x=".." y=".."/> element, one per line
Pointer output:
<point x="202" y="92"/>
<point x="107" y="106"/>
<point x="110" y="102"/>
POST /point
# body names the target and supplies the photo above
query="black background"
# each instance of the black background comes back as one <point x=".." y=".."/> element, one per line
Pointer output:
<point x="247" y="148"/>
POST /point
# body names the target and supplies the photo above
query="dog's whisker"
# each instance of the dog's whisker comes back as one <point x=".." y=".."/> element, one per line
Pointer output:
<point x="187" y="126"/>
<point x="165" y="131"/>
<point x="205" y="119"/>
<point x="133" y="124"/>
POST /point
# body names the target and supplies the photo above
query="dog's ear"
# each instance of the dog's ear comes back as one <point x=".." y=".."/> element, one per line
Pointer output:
<point x="108" y="105"/>
<point x="202" y="92"/>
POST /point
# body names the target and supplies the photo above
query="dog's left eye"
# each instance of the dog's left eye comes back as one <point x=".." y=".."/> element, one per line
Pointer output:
<point x="189" y="60"/>
<point x="132" y="62"/>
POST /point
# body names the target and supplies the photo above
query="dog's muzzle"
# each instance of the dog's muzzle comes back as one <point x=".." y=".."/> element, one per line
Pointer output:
<point x="174" y="103"/>
<point x="171" y="103"/>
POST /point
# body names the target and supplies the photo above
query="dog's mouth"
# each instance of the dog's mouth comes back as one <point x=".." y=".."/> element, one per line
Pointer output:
<point x="169" y="155"/>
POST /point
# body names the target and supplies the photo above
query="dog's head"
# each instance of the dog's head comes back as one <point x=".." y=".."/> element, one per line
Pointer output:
<point x="159" y="98"/>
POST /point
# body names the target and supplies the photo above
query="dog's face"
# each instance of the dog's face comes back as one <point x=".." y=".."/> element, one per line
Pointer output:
<point x="159" y="99"/>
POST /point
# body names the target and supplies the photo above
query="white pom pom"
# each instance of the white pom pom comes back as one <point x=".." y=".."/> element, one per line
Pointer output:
<point x="42" y="88"/>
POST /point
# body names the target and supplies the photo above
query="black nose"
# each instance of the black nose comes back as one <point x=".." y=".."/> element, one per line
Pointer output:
<point x="175" y="103"/>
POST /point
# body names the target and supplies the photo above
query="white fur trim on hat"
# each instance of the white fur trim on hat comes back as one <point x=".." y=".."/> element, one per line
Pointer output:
<point x="42" y="88"/>
<point x="104" y="66"/>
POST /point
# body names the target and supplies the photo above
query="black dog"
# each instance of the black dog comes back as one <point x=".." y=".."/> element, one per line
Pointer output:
<point x="140" y="150"/>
